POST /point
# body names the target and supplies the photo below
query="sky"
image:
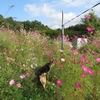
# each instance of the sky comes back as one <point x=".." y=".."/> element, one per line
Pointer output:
<point x="48" y="12"/>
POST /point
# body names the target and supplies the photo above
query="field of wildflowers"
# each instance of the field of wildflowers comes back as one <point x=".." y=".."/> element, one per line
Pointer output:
<point x="75" y="76"/>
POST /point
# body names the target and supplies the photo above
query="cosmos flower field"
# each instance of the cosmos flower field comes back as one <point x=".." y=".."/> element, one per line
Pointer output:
<point x="75" y="75"/>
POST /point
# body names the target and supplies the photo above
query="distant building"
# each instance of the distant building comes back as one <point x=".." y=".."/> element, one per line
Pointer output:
<point x="79" y="42"/>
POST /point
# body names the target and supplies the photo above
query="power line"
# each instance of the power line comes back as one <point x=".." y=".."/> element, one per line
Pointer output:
<point x="82" y="13"/>
<point x="62" y="41"/>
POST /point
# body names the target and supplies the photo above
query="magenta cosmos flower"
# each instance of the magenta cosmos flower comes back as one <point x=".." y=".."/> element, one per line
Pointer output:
<point x="78" y="85"/>
<point x="98" y="60"/>
<point x="90" y="29"/>
<point x="96" y="43"/>
<point x="87" y="70"/>
<point x="11" y="82"/>
<point x="87" y="17"/>
<point x="59" y="82"/>
<point x="90" y="71"/>
<point x="83" y="75"/>
<point x="75" y="36"/>
<point x="84" y="68"/>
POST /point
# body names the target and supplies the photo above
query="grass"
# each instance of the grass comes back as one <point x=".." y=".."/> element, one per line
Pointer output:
<point x="23" y="54"/>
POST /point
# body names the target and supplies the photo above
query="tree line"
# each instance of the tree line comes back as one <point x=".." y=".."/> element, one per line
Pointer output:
<point x="78" y="29"/>
<point x="10" y="23"/>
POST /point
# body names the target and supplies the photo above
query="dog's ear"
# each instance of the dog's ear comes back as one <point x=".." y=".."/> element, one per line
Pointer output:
<point x="52" y="62"/>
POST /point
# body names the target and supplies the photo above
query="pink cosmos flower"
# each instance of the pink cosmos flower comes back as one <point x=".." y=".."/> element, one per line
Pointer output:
<point x="83" y="60"/>
<point x="98" y="60"/>
<point x="78" y="85"/>
<point x="59" y="82"/>
<point x="84" y="68"/>
<point x="93" y="52"/>
<point x="59" y="37"/>
<point x="60" y="64"/>
<point x="86" y="50"/>
<point x="55" y="60"/>
<point x="90" y="29"/>
<point x="17" y="42"/>
<point x="11" y="82"/>
<point x="72" y="48"/>
<point x="87" y="70"/>
<point x="96" y="43"/>
<point x="87" y="17"/>
<point x="61" y="51"/>
<point x="4" y="52"/>
<point x="83" y="75"/>
<point x="27" y="74"/>
<point x="92" y="32"/>
<point x="18" y="85"/>
<point x="22" y="76"/>
<point x="84" y="55"/>
<point x="98" y="73"/>
<point x="75" y="53"/>
<point x="90" y="72"/>
<point x="89" y="40"/>
<point x="82" y="40"/>
<point x="75" y="36"/>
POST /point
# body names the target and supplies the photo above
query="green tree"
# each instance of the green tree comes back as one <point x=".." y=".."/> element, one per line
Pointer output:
<point x="78" y="29"/>
<point x="27" y="25"/>
<point x="52" y="33"/>
<point x="1" y="20"/>
<point x="9" y="23"/>
<point x="93" y="22"/>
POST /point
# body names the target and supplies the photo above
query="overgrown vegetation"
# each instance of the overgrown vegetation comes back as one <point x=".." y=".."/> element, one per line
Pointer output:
<point x="75" y="75"/>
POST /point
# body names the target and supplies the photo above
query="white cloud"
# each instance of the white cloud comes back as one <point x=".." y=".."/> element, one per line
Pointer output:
<point x="32" y="9"/>
<point x="53" y="25"/>
<point x="57" y="20"/>
<point x="51" y="11"/>
<point x="97" y="10"/>
<point x="45" y="9"/>
<point x="78" y="3"/>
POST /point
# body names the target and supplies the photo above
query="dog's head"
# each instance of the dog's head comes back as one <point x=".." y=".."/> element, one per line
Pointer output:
<point x="52" y="63"/>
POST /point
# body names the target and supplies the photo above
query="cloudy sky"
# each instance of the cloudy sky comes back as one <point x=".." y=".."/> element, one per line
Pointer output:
<point x="49" y="12"/>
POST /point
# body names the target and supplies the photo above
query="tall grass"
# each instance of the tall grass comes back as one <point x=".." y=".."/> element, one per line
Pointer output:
<point x="75" y="75"/>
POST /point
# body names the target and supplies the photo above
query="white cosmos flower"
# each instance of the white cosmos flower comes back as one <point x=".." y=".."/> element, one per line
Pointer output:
<point x="62" y="59"/>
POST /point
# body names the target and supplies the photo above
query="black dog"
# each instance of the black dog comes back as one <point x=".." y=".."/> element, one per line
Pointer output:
<point x="43" y="71"/>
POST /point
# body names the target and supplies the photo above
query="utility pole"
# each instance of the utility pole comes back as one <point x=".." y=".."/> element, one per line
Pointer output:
<point x="62" y="41"/>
